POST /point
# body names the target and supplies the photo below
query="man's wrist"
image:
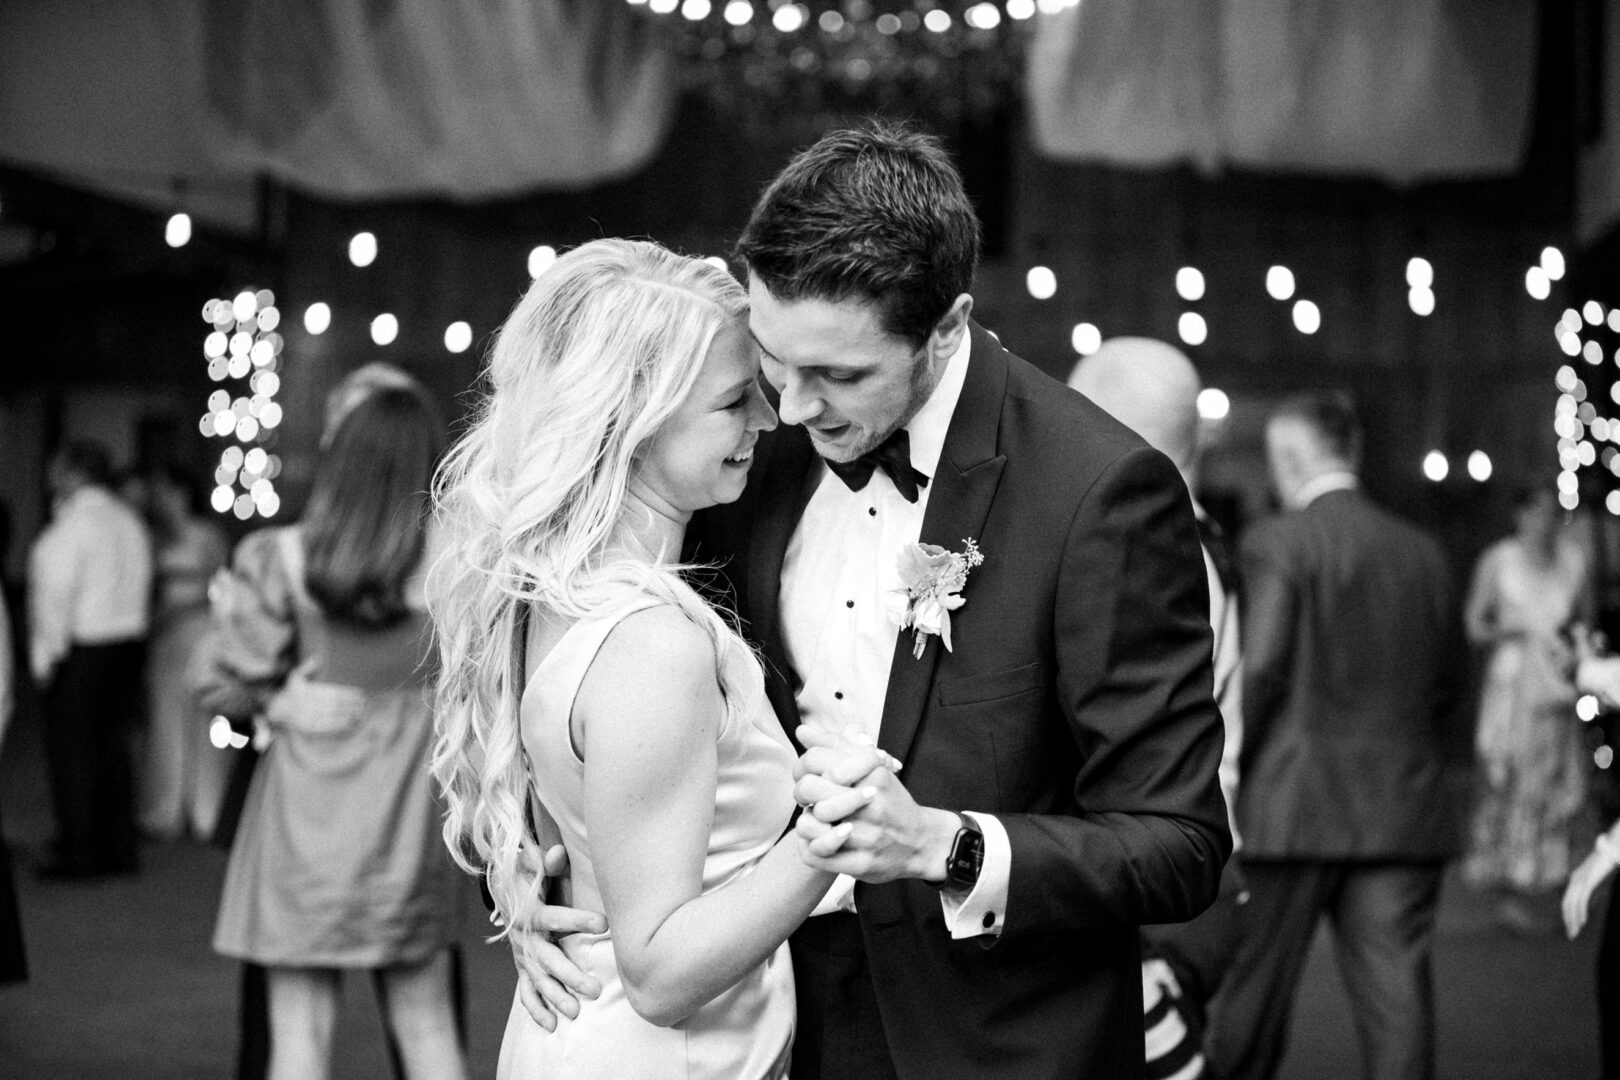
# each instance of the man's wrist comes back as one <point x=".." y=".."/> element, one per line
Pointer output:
<point x="940" y="834"/>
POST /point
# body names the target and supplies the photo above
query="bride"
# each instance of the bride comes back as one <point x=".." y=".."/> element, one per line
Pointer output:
<point x="579" y="667"/>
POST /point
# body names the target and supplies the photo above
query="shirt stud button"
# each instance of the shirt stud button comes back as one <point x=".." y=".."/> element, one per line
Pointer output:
<point x="871" y="511"/>
<point x="849" y="603"/>
<point x="839" y="694"/>
<point x="989" y="919"/>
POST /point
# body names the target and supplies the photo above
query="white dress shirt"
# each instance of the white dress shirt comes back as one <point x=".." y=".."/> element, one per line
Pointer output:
<point x="839" y="563"/>
<point x="1313" y="489"/>
<point x="1228" y="663"/>
<point x="89" y="578"/>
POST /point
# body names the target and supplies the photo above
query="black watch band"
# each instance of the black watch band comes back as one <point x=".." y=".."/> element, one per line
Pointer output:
<point x="966" y="858"/>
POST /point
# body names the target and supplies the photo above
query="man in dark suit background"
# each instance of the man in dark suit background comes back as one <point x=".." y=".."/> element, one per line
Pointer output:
<point x="1351" y="653"/>
<point x="1059" y="782"/>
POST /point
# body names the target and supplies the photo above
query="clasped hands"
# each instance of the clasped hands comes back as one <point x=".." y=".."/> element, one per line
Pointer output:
<point x="858" y="820"/>
<point x="858" y="817"/>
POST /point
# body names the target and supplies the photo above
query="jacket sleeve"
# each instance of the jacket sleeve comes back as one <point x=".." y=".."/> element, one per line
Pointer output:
<point x="1270" y="607"/>
<point x="1133" y="658"/>
<point x="253" y="640"/>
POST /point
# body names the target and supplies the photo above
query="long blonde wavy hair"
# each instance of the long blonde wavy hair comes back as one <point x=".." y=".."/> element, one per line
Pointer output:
<point x="601" y="350"/>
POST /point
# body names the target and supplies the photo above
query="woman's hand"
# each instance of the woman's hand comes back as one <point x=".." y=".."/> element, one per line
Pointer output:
<point x="1582" y="884"/>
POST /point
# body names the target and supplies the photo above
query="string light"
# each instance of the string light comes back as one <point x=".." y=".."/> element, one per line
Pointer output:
<point x="1213" y="404"/>
<point x="317" y="318"/>
<point x="177" y="233"/>
<point x="789" y="17"/>
<point x="1537" y="283"/>
<point x="1190" y="284"/>
<point x="1085" y="338"/>
<point x="1479" y="466"/>
<point x="243" y="343"/>
<point x="1280" y="282"/>
<point x="984" y="16"/>
<point x="1041" y="282"/>
<point x="540" y="259"/>
<point x="458" y="337"/>
<point x="1192" y="328"/>
<point x="1419" y="273"/>
<point x="363" y="249"/>
<point x="384" y="329"/>
<point x="1307" y="317"/>
<point x="1552" y="263"/>
<point x="1435" y="466"/>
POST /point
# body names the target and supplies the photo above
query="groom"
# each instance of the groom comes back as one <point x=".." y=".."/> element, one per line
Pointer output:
<point x="1059" y="782"/>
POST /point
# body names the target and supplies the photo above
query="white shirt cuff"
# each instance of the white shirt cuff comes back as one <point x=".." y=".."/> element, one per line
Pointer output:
<point x="983" y="910"/>
<point x="840" y="896"/>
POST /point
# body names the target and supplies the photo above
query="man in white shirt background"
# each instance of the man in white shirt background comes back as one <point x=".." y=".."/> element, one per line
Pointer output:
<point x="89" y="588"/>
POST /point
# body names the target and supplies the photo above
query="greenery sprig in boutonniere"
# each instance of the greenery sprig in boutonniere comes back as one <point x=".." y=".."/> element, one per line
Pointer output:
<point x="931" y="581"/>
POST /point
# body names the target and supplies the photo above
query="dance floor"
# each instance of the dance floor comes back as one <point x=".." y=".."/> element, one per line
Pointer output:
<point x="124" y="984"/>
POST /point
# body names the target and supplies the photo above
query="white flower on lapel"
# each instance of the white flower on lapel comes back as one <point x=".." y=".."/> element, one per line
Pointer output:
<point x="931" y="581"/>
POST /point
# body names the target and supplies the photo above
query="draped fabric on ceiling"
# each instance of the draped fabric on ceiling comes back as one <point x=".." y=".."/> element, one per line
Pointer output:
<point x="464" y="98"/>
<point x="1400" y="90"/>
<point x="167" y="101"/>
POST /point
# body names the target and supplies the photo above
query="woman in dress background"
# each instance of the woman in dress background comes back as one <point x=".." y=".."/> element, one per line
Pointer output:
<point x="338" y="861"/>
<point x="184" y="774"/>
<point x="579" y="666"/>
<point x="1527" y="591"/>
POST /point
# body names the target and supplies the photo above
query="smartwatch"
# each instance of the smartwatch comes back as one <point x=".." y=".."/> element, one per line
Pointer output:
<point x="965" y="858"/>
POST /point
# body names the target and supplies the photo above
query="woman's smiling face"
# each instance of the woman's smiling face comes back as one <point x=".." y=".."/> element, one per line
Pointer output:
<point x="701" y="455"/>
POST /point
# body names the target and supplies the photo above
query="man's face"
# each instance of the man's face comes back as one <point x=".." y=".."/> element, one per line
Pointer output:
<point x="1287" y="443"/>
<point x="850" y="382"/>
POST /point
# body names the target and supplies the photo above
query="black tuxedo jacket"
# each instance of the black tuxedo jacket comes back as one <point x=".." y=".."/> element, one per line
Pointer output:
<point x="1076" y="707"/>
<point x="1353" y="744"/>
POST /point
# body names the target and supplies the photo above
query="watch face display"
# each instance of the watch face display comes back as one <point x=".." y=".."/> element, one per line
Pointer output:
<point x="967" y="855"/>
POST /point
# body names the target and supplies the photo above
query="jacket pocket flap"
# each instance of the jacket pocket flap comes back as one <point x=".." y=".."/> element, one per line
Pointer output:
<point x="970" y="689"/>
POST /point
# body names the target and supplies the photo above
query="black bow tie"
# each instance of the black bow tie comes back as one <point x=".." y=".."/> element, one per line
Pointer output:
<point x="893" y="456"/>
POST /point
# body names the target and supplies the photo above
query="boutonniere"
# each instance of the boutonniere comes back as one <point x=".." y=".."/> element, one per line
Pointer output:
<point x="931" y="580"/>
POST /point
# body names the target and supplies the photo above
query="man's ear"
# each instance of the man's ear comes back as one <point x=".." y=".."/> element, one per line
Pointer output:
<point x="947" y="335"/>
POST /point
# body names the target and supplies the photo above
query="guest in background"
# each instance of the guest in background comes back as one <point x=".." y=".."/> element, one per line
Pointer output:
<point x="338" y="861"/>
<point x="13" y="959"/>
<point x="1349" y="653"/>
<point x="184" y="774"/>
<point x="1527" y="589"/>
<point x="90" y="575"/>
<point x="1600" y="675"/>
<point x="1152" y="388"/>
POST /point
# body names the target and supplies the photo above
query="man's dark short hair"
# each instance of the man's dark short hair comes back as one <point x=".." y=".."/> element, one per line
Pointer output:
<point x="1331" y="414"/>
<point x="89" y="459"/>
<point x="876" y="214"/>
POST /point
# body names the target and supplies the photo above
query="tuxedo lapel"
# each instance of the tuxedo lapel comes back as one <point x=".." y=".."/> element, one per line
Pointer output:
<point x="785" y="489"/>
<point x="964" y="486"/>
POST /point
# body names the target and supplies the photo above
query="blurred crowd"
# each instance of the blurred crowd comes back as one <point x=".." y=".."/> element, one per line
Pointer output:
<point x="1362" y="754"/>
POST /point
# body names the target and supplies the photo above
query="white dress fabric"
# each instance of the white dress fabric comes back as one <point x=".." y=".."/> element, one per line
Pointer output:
<point x="747" y="1031"/>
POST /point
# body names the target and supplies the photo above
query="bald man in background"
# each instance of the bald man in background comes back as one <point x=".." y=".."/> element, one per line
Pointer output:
<point x="1152" y="388"/>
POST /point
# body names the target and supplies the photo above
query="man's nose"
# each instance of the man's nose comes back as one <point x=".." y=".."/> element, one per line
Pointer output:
<point x="798" y="404"/>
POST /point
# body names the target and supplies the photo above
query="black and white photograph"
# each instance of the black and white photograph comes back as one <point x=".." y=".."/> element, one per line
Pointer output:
<point x="809" y="540"/>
